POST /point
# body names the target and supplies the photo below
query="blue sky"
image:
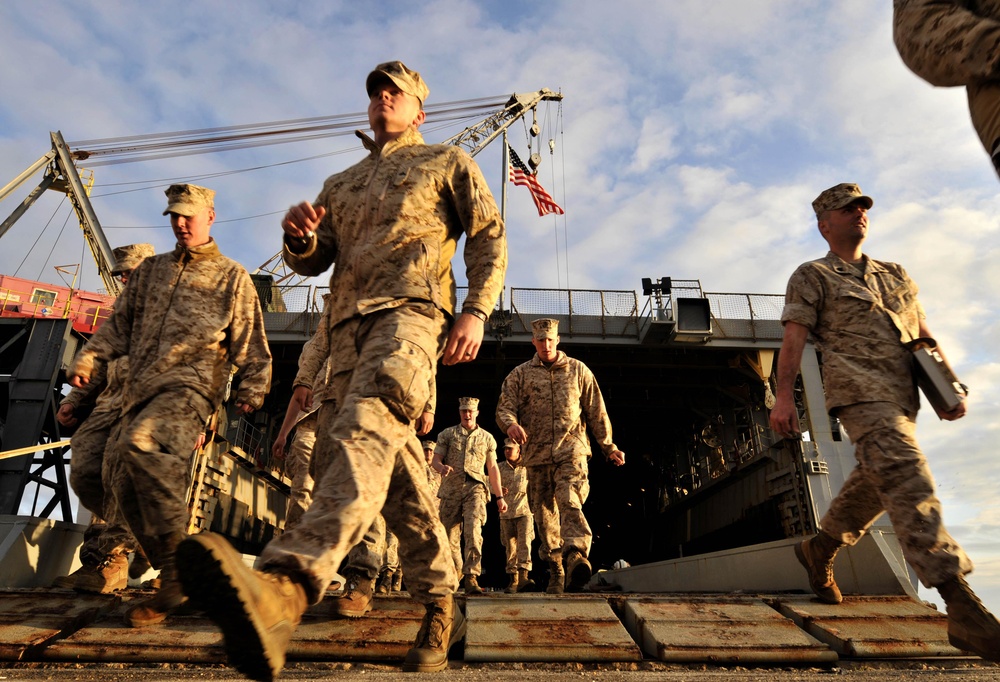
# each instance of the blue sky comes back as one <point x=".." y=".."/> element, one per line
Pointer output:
<point x="692" y="139"/>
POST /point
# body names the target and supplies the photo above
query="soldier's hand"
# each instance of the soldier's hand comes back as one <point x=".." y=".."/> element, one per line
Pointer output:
<point x="517" y="434"/>
<point x="199" y="442"/>
<point x="501" y="505"/>
<point x="617" y="457"/>
<point x="78" y="380"/>
<point x="504" y="490"/>
<point x="302" y="220"/>
<point x="66" y="416"/>
<point x="445" y="470"/>
<point x="302" y="396"/>
<point x="464" y="340"/>
<point x="243" y="408"/>
<point x="278" y="449"/>
<point x="425" y="423"/>
<point x="785" y="418"/>
<point x="957" y="413"/>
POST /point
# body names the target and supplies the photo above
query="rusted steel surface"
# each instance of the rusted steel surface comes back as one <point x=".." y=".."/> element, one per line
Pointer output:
<point x="384" y="634"/>
<point x="30" y="619"/>
<point x="873" y="627"/>
<point x="533" y="628"/>
<point x="719" y="630"/>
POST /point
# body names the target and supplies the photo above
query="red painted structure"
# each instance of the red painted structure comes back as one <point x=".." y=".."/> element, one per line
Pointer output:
<point x="28" y="298"/>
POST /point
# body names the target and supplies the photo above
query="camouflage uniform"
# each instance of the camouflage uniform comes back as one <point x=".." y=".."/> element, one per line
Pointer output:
<point x="392" y="225"/>
<point x="859" y="323"/>
<point x="516" y="524"/>
<point x="553" y="404"/>
<point x="465" y="491"/>
<point x="184" y="319"/>
<point x="952" y="43"/>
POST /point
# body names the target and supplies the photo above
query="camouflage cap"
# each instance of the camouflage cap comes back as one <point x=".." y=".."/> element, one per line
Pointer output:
<point x="544" y="328"/>
<point x="839" y="196"/>
<point x="129" y="256"/>
<point x="508" y="443"/>
<point x="468" y="403"/>
<point x="188" y="200"/>
<point x="429" y="444"/>
<point x="408" y="81"/>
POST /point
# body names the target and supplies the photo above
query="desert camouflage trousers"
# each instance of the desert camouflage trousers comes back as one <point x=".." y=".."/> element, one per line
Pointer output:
<point x="107" y="534"/>
<point x="467" y="513"/>
<point x="892" y="475"/>
<point x="556" y="493"/>
<point x="365" y="558"/>
<point x="298" y="462"/>
<point x="516" y="535"/>
<point x="390" y="559"/>
<point x="149" y="469"/>
<point x="367" y="457"/>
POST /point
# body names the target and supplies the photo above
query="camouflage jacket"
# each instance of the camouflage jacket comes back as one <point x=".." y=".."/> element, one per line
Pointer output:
<point x="859" y="325"/>
<point x="392" y="225"/>
<point x="184" y="319"/>
<point x="949" y="42"/>
<point x="314" y="365"/>
<point x="433" y="480"/>
<point x="465" y="451"/>
<point x="554" y="404"/>
<point x="515" y="482"/>
<point x="106" y="389"/>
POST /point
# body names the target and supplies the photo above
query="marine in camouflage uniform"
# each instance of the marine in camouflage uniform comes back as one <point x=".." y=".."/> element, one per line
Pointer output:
<point x="956" y="43"/>
<point x="860" y="312"/>
<point x="466" y="458"/>
<point x="516" y="524"/>
<point x="184" y="320"/>
<point x="107" y="541"/>
<point x="433" y="477"/>
<point x="544" y="406"/>
<point x="391" y="223"/>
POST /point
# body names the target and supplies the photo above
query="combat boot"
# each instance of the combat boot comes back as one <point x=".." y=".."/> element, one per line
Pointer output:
<point x="139" y="565"/>
<point x="397" y="580"/>
<point x="816" y="554"/>
<point x="110" y="575"/>
<point x="257" y="612"/>
<point x="384" y="583"/>
<point x="578" y="571"/>
<point x="154" y="610"/>
<point x="515" y="583"/>
<point x="357" y="598"/>
<point x="970" y="626"/>
<point x="524" y="581"/>
<point x="471" y="585"/>
<point x="442" y="627"/>
<point x="556" y="577"/>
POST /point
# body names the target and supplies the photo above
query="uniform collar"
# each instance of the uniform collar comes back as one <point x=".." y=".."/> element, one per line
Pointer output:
<point x="410" y="137"/>
<point x="203" y="252"/>
<point x="840" y="266"/>
<point x="558" y="362"/>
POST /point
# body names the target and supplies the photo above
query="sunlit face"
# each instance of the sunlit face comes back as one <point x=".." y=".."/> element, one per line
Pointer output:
<point x="546" y="348"/>
<point x="428" y="454"/>
<point x="192" y="231"/>
<point x="468" y="418"/>
<point x="846" y="223"/>
<point x="391" y="111"/>
<point x="512" y="453"/>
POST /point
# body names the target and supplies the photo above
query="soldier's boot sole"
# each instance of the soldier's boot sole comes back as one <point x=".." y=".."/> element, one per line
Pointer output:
<point x="216" y="581"/>
<point x="578" y="572"/>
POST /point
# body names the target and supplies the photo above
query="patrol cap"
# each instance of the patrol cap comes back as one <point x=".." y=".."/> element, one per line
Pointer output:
<point x="544" y="328"/>
<point x="839" y="196"/>
<point x="429" y="444"/>
<point x="406" y="80"/>
<point x="129" y="256"/>
<point x="188" y="200"/>
<point x="468" y="403"/>
<point x="508" y="443"/>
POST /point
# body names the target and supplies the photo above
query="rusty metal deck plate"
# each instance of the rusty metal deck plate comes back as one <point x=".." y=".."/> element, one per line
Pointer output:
<point x="719" y="630"/>
<point x="873" y="627"/>
<point x="384" y="634"/>
<point x="532" y="628"/>
<point x="30" y="619"/>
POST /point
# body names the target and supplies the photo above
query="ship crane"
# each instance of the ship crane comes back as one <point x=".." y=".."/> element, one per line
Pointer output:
<point x="473" y="139"/>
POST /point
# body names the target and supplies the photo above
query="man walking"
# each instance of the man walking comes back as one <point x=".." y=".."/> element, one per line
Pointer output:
<point x="544" y="407"/>
<point x="516" y="524"/>
<point x="861" y="312"/>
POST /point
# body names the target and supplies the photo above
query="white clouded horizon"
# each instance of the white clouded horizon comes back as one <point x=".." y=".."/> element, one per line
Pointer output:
<point x="694" y="137"/>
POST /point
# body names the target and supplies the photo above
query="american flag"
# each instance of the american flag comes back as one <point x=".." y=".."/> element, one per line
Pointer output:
<point x="520" y="175"/>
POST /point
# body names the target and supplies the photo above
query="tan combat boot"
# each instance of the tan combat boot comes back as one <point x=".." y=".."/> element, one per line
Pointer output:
<point x="257" y="612"/>
<point x="515" y="583"/>
<point x="557" y="577"/>
<point x="816" y="554"/>
<point x="442" y="627"/>
<point x="384" y="583"/>
<point x="110" y="575"/>
<point x="357" y="598"/>
<point x="524" y="581"/>
<point x="154" y="610"/>
<point x="970" y="626"/>
<point x="397" y="580"/>
<point x="471" y="585"/>
<point x="578" y="570"/>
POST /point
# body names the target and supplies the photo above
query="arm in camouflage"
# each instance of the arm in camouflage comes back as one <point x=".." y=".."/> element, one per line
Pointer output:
<point x="486" y="240"/>
<point x="314" y="353"/>
<point x="592" y="404"/>
<point x="86" y="396"/>
<point x="506" y="414"/>
<point x="111" y="340"/>
<point x="248" y="348"/>
<point x="945" y="43"/>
